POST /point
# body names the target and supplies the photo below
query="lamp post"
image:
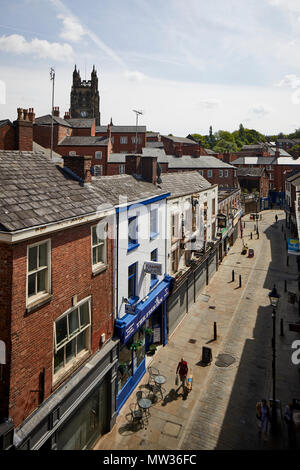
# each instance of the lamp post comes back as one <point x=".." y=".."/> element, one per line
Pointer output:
<point x="256" y="218"/>
<point x="274" y="299"/>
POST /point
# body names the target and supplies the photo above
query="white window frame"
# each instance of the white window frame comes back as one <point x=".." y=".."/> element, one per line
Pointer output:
<point x="153" y="223"/>
<point x="57" y="375"/>
<point x="98" y="155"/>
<point x="123" y="139"/>
<point x="96" y="168"/>
<point x="122" y="169"/>
<point x="221" y="173"/>
<point x="103" y="242"/>
<point x="209" y="173"/>
<point x="226" y="173"/>
<point x="39" y="295"/>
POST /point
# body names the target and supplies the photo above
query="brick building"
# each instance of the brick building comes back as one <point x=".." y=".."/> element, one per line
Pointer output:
<point x="124" y="138"/>
<point x="254" y="178"/>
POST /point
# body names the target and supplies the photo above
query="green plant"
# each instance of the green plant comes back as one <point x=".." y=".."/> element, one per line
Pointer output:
<point x="149" y="331"/>
<point x="153" y="347"/>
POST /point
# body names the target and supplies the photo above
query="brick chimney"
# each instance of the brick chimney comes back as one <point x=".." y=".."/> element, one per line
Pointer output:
<point x="80" y="165"/>
<point x="56" y="111"/>
<point x="67" y="115"/>
<point x="149" y="169"/>
<point x="31" y="115"/>
<point x="178" y="150"/>
<point x="24" y="130"/>
<point x="133" y="164"/>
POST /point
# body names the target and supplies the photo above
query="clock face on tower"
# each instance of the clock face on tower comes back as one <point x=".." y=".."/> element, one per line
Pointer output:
<point x="83" y="113"/>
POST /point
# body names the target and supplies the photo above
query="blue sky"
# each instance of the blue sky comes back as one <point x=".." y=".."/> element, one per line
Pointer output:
<point x="187" y="65"/>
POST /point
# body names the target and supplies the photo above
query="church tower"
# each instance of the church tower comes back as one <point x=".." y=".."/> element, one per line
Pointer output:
<point x="85" y="100"/>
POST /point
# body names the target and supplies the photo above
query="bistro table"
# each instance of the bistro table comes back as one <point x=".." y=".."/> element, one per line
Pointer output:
<point x="145" y="404"/>
<point x="159" y="381"/>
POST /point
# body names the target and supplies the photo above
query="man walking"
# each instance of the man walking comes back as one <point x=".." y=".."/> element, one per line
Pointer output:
<point x="276" y="218"/>
<point x="182" y="369"/>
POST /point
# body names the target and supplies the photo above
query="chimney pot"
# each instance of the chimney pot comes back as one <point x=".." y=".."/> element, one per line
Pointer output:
<point x="20" y="113"/>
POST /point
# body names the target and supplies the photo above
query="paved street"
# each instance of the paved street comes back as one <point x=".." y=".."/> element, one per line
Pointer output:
<point x="219" y="413"/>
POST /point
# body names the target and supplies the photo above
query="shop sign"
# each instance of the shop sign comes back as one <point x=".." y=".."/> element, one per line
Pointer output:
<point x="145" y="313"/>
<point x="151" y="267"/>
<point x="293" y="246"/>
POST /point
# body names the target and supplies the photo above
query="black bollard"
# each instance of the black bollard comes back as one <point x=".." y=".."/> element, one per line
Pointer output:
<point x="240" y="281"/>
<point x="287" y="260"/>
<point x="285" y="285"/>
<point x="244" y="224"/>
<point x="281" y="326"/>
<point x="257" y="233"/>
<point x="233" y="275"/>
<point x="215" y="331"/>
<point x="251" y="235"/>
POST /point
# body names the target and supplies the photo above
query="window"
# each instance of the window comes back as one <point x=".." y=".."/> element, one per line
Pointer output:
<point x="174" y="260"/>
<point x="221" y="173"/>
<point x="132" y="233"/>
<point x="38" y="270"/>
<point x="271" y="176"/>
<point x="133" y="140"/>
<point x="97" y="170"/>
<point x="72" y="153"/>
<point x="174" y="225"/>
<point x="99" y="248"/>
<point x="122" y="169"/>
<point x="72" y="336"/>
<point x="125" y="366"/>
<point x="213" y="207"/>
<point x="154" y="279"/>
<point x="209" y="173"/>
<point x="132" y="281"/>
<point x="226" y="173"/>
<point x="201" y="172"/>
<point x="98" y="155"/>
<point x="153" y="223"/>
<point x="123" y="140"/>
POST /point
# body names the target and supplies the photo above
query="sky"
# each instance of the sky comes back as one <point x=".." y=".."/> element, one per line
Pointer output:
<point x="186" y="65"/>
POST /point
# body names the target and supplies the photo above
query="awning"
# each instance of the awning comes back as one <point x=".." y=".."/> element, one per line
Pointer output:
<point x="126" y="326"/>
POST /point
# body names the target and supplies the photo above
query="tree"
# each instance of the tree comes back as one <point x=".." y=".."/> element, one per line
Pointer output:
<point x="224" y="146"/>
<point x="211" y="138"/>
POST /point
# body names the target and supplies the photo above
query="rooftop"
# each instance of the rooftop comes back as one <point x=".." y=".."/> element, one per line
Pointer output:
<point x="47" y="119"/>
<point x="125" y="129"/>
<point x="81" y="123"/>
<point x="202" y="162"/>
<point x="180" y="184"/>
<point x="183" y="140"/>
<point x="89" y="141"/>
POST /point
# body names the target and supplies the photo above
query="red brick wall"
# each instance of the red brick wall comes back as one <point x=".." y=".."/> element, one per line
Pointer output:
<point x="42" y="135"/>
<point x="86" y="150"/>
<point x="32" y="334"/>
<point x="7" y="137"/>
<point x="117" y="147"/>
<point x="5" y="321"/>
<point x="114" y="168"/>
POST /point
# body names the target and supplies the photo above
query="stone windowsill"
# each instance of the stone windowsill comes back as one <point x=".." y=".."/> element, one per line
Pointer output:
<point x="39" y="303"/>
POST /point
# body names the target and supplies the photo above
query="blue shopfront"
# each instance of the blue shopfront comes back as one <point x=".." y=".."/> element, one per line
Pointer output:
<point x="140" y="332"/>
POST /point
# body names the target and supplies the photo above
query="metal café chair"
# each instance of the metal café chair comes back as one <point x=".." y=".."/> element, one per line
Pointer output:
<point x="136" y="415"/>
<point x="153" y="372"/>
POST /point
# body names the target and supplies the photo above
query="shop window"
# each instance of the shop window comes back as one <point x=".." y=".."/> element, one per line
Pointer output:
<point x="132" y="282"/>
<point x="138" y="346"/>
<point x="38" y="270"/>
<point x="72" y="336"/>
<point x="154" y="278"/>
<point x="125" y="365"/>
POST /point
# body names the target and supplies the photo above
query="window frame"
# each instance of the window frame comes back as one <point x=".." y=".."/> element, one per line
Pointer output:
<point x="209" y="173"/>
<point x="123" y="140"/>
<point x="45" y="293"/>
<point x="77" y="359"/>
<point x="132" y="298"/>
<point x="96" y="155"/>
<point x="103" y="263"/>
<point x="155" y="232"/>
<point x="154" y="277"/>
<point x="135" y="242"/>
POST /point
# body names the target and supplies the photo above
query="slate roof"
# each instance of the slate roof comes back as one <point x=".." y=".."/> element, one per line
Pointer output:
<point x="3" y="122"/>
<point x="183" y="140"/>
<point x="202" y="162"/>
<point x="125" y="129"/>
<point x="81" y="123"/>
<point x="34" y="191"/>
<point x="293" y="175"/>
<point x="78" y="140"/>
<point x="56" y="158"/>
<point x="187" y="182"/>
<point x="46" y="120"/>
<point x="155" y="152"/>
<point x="155" y="145"/>
<point x="250" y="171"/>
<point x="254" y="161"/>
<point x="116" y="158"/>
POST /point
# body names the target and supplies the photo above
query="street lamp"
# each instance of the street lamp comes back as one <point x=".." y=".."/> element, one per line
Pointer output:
<point x="274" y="300"/>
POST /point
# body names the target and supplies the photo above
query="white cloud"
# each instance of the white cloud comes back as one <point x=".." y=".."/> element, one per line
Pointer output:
<point x="2" y="93"/>
<point x="209" y="103"/>
<point x="134" y="75"/>
<point x="72" y="29"/>
<point x="260" y="109"/>
<point x="291" y="81"/>
<point x="17" y="44"/>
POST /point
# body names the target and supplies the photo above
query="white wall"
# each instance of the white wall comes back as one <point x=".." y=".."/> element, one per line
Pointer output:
<point x="140" y="254"/>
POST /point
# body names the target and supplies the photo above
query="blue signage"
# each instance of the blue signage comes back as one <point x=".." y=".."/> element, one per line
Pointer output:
<point x="130" y="323"/>
<point x="293" y="246"/>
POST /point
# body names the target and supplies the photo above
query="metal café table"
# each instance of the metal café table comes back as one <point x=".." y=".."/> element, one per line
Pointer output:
<point x="145" y="404"/>
<point x="159" y="381"/>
